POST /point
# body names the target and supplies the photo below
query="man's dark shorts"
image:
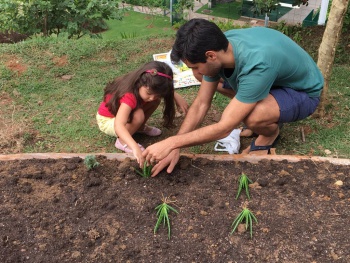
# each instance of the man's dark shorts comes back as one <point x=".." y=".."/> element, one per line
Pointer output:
<point x="294" y="105"/>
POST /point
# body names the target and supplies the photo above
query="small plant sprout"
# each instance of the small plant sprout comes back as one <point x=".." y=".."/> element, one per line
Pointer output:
<point x="247" y="216"/>
<point x="91" y="162"/>
<point x="244" y="182"/>
<point x="146" y="170"/>
<point x="163" y="214"/>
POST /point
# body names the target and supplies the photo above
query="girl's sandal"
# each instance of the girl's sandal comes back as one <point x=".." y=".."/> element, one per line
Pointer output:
<point x="125" y="147"/>
<point x="150" y="131"/>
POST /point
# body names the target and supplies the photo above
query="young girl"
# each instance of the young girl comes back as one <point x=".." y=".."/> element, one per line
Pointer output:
<point x="131" y="99"/>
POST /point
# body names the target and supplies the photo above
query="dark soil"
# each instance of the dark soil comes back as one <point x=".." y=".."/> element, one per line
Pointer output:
<point x="11" y="37"/>
<point x="58" y="211"/>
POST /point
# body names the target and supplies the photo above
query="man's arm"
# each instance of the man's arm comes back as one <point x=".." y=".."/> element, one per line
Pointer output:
<point x="232" y="116"/>
<point x="194" y="116"/>
<point x="199" y="107"/>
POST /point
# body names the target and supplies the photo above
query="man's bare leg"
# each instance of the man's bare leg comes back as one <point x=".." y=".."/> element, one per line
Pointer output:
<point x="263" y="120"/>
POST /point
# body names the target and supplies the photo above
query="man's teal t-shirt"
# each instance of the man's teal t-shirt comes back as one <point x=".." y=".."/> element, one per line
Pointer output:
<point x="264" y="58"/>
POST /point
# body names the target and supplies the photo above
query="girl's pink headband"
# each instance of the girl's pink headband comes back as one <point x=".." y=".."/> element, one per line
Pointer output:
<point x="155" y="72"/>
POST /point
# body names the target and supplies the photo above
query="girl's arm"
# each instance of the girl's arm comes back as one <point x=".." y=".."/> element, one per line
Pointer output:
<point x="122" y="129"/>
<point x="181" y="103"/>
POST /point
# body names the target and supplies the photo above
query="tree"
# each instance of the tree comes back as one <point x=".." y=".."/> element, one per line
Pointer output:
<point x="328" y="45"/>
<point x="180" y="7"/>
<point x="265" y="6"/>
<point x="46" y="17"/>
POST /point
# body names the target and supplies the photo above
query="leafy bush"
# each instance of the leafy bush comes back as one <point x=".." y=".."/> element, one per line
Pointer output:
<point x="265" y="6"/>
<point x="153" y="3"/>
<point x="47" y="17"/>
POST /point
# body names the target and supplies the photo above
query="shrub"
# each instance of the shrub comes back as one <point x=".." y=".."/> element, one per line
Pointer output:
<point x="47" y="17"/>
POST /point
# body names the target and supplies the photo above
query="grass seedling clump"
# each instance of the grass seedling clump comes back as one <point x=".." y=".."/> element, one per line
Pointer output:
<point x="163" y="215"/>
<point x="247" y="216"/>
<point x="244" y="182"/>
<point x="146" y="170"/>
<point x="91" y="162"/>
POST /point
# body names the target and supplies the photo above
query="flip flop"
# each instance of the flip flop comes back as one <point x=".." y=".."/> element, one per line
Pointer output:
<point x="280" y="125"/>
<point x="267" y="148"/>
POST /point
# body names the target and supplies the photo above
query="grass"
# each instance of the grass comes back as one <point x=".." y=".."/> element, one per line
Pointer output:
<point x="42" y="112"/>
<point x="62" y="112"/>
<point x="142" y="25"/>
<point x="226" y="10"/>
<point x="331" y="133"/>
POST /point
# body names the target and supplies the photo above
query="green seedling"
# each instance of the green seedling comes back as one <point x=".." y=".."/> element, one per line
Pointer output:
<point x="146" y="170"/>
<point x="163" y="215"/>
<point x="91" y="162"/>
<point x="247" y="216"/>
<point x="244" y="182"/>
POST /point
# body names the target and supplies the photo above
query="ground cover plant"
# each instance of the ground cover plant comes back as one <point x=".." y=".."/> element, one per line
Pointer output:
<point x="244" y="216"/>
<point x="91" y="162"/>
<point x="243" y="184"/>
<point x="163" y="215"/>
<point x="146" y="170"/>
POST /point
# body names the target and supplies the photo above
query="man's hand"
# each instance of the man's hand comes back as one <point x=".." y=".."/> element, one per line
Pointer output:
<point x="170" y="160"/>
<point x="158" y="151"/>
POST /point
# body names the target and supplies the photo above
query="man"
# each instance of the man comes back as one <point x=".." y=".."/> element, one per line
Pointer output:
<point x="275" y="81"/>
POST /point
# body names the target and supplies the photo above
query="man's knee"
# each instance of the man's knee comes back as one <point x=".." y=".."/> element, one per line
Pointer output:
<point x="263" y="114"/>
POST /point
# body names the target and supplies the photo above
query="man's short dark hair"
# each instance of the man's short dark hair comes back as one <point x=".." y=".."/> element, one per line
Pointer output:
<point x="195" y="38"/>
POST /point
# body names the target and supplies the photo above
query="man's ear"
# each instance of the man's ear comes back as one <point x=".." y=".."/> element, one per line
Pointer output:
<point x="211" y="55"/>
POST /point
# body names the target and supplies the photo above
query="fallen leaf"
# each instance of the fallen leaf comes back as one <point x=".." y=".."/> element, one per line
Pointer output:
<point x="67" y="77"/>
<point x="327" y="152"/>
<point x="339" y="183"/>
<point x="255" y="185"/>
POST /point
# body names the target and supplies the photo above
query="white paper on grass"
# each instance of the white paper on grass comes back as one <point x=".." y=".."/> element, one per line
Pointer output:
<point x="183" y="76"/>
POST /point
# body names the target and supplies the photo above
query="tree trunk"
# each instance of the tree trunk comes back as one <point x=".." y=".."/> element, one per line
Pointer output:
<point x="328" y="46"/>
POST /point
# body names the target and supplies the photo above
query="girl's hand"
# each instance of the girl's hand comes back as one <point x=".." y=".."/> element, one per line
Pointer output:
<point x="138" y="155"/>
<point x="181" y="103"/>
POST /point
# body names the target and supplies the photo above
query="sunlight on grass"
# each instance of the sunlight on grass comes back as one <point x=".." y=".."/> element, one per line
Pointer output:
<point x="142" y="25"/>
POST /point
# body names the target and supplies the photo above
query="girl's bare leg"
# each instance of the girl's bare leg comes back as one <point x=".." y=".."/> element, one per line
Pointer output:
<point x="148" y="110"/>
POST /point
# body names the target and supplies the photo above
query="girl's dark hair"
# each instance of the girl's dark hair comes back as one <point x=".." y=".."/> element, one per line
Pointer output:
<point x="195" y="38"/>
<point x="133" y="81"/>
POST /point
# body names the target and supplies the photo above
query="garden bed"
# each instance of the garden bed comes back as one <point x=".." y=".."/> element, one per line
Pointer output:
<point x="55" y="209"/>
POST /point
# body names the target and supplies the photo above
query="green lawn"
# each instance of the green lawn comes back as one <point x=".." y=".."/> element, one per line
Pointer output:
<point x="227" y="10"/>
<point x="48" y="113"/>
<point x="136" y="24"/>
